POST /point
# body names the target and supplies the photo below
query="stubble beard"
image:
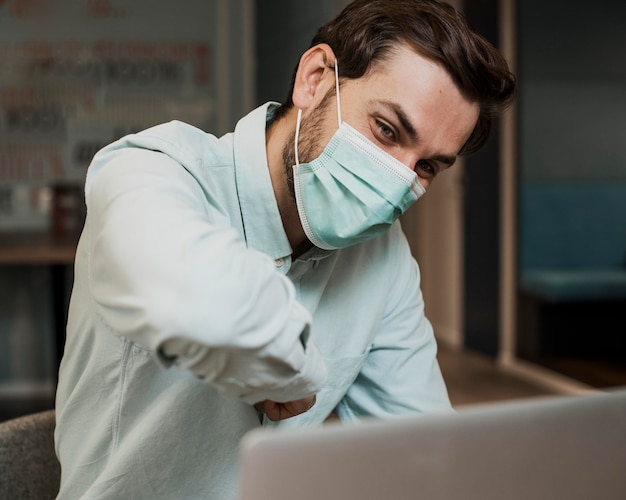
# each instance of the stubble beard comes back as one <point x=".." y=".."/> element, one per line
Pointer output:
<point x="309" y="147"/>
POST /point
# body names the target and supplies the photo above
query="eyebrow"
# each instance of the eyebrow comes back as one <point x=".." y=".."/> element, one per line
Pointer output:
<point x="411" y="132"/>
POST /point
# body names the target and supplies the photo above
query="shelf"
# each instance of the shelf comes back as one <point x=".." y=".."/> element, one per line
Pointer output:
<point x="26" y="248"/>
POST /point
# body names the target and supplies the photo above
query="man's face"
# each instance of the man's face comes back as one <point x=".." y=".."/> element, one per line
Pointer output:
<point x="407" y="105"/>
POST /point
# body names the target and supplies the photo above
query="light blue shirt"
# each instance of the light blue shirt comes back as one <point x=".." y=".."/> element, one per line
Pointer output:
<point x="187" y="308"/>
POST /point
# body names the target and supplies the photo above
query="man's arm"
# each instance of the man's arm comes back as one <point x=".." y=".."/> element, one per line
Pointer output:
<point x="165" y="275"/>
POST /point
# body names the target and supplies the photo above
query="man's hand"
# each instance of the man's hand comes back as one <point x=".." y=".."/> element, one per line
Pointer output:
<point x="280" y="411"/>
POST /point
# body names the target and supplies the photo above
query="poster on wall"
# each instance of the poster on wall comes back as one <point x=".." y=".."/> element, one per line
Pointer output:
<point x="78" y="74"/>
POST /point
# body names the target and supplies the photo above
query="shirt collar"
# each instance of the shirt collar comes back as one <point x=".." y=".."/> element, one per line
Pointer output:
<point x="262" y="223"/>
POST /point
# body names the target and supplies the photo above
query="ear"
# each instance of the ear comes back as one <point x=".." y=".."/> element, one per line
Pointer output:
<point x="312" y="73"/>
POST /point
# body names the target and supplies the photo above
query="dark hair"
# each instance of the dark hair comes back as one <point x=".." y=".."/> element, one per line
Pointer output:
<point x="366" y="31"/>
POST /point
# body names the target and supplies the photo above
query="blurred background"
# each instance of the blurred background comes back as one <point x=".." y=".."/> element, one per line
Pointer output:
<point x="522" y="247"/>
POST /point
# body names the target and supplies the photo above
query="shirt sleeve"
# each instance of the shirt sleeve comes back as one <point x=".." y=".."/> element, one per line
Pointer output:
<point x="400" y="375"/>
<point x="166" y="275"/>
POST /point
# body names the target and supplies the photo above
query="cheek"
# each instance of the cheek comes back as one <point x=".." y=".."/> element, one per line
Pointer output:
<point x="358" y="121"/>
<point x="312" y="142"/>
<point x="363" y="125"/>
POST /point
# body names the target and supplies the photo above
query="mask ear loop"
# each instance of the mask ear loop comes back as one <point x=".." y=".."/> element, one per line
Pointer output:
<point x="297" y="135"/>
<point x="337" y="92"/>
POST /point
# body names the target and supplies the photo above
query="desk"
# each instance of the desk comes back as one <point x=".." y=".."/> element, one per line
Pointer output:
<point x="57" y="251"/>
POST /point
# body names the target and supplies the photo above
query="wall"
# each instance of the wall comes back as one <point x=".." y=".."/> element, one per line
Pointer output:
<point x="75" y="75"/>
<point x="434" y="229"/>
<point x="572" y="134"/>
<point x="284" y="32"/>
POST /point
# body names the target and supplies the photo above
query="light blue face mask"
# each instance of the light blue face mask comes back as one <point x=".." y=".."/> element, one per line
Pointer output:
<point x="353" y="191"/>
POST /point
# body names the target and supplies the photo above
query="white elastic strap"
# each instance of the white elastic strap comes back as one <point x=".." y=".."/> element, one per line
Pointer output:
<point x="297" y="135"/>
<point x="337" y="92"/>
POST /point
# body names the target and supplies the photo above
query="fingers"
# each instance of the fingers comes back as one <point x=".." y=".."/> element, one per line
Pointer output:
<point x="280" y="411"/>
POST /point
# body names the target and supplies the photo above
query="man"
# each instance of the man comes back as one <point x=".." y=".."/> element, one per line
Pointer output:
<point x="225" y="283"/>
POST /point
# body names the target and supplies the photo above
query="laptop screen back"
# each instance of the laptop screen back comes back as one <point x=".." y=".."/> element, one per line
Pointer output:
<point x="567" y="447"/>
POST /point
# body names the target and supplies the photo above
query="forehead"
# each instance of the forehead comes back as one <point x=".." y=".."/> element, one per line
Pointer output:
<point x="426" y="93"/>
<point x="407" y="73"/>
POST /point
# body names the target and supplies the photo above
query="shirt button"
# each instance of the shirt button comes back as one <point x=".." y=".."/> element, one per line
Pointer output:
<point x="279" y="262"/>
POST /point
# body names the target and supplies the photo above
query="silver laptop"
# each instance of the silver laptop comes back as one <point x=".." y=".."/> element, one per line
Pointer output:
<point x="565" y="447"/>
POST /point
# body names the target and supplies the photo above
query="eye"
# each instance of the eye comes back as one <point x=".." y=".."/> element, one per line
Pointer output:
<point x="425" y="169"/>
<point x="385" y="132"/>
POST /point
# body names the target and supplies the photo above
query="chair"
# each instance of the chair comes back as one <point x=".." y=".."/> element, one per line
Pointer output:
<point x="29" y="468"/>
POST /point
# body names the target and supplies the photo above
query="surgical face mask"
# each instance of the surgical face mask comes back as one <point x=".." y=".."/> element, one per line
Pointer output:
<point x="353" y="191"/>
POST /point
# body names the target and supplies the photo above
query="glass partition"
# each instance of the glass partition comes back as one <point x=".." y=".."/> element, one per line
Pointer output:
<point x="572" y="188"/>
